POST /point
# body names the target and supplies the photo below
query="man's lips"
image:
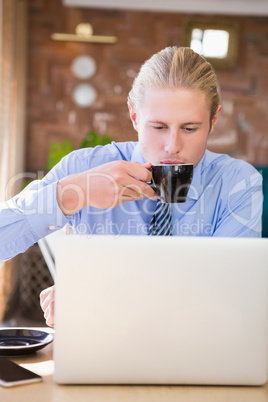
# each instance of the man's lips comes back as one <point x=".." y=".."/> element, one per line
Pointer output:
<point x="171" y="162"/>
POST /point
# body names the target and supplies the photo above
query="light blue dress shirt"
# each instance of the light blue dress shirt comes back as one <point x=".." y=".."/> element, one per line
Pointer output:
<point x="225" y="199"/>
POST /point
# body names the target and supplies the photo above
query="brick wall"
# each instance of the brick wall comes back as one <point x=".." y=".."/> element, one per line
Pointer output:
<point x="242" y="130"/>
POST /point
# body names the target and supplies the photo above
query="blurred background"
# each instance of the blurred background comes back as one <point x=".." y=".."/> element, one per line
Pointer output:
<point x="66" y="69"/>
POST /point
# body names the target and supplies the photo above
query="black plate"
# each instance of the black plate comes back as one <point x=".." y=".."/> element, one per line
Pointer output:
<point x="21" y="341"/>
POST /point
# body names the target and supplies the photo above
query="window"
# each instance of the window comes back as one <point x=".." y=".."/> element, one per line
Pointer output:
<point x="217" y="42"/>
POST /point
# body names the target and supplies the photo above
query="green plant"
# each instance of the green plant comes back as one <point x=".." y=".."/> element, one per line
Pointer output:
<point x="93" y="139"/>
<point x="58" y="150"/>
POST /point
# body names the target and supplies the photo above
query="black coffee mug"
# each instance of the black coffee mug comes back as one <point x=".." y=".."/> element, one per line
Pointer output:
<point x="171" y="182"/>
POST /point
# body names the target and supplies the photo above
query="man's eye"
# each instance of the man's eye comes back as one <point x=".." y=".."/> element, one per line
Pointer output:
<point x="190" y="129"/>
<point x="158" y="127"/>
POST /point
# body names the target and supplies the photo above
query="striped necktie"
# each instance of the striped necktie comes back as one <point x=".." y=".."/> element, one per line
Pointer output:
<point x="160" y="224"/>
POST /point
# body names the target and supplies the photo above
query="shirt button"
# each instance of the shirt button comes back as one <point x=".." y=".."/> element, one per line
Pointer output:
<point x="52" y="227"/>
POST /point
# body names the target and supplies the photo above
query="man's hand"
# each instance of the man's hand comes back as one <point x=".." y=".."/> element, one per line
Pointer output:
<point x="105" y="186"/>
<point x="47" y="298"/>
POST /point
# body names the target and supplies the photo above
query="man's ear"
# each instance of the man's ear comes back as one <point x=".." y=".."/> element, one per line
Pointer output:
<point x="215" y="118"/>
<point x="133" y="115"/>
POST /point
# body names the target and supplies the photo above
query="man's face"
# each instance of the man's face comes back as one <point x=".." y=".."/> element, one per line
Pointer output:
<point x="173" y="125"/>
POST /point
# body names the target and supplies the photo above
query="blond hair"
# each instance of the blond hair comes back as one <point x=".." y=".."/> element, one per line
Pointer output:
<point x="177" y="67"/>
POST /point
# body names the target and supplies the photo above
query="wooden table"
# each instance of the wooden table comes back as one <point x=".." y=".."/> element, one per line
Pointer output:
<point x="47" y="391"/>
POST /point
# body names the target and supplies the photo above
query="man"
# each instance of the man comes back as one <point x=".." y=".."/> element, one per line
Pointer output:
<point x="174" y="105"/>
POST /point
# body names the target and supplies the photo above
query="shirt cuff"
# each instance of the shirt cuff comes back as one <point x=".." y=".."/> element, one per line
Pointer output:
<point x="43" y="215"/>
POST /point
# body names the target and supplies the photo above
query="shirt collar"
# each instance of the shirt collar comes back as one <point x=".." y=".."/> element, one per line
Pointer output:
<point x="136" y="155"/>
<point x="196" y="186"/>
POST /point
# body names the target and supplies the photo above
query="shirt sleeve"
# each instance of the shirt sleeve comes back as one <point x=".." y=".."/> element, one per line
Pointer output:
<point x="27" y="217"/>
<point x="242" y="213"/>
<point x="34" y="212"/>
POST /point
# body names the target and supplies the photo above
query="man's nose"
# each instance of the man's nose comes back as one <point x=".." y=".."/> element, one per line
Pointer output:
<point x="174" y="143"/>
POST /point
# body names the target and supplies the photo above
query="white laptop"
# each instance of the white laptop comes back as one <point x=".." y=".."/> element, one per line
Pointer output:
<point x="161" y="310"/>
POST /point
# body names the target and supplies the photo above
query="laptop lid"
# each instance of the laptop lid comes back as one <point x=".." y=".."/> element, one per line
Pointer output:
<point x="161" y="310"/>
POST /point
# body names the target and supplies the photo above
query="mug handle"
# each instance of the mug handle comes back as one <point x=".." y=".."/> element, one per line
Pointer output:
<point x="152" y="183"/>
